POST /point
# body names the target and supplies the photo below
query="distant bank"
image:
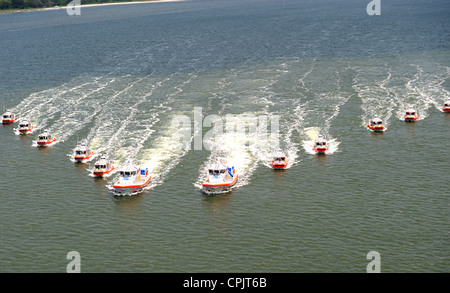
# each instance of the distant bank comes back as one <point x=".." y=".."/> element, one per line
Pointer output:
<point x="15" y="6"/>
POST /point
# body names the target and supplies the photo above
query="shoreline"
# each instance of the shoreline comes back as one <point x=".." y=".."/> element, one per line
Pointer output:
<point x="7" y="11"/>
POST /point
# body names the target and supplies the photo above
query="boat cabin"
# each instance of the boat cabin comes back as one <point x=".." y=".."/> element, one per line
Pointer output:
<point x="7" y="115"/>
<point x="81" y="152"/>
<point x="321" y="142"/>
<point x="127" y="173"/>
<point x="100" y="166"/>
<point x="44" y="137"/>
<point x="279" y="159"/>
<point x="376" y="121"/>
<point x="216" y="171"/>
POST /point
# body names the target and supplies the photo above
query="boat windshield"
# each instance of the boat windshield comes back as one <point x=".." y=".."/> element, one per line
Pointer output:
<point x="42" y="137"/>
<point x="447" y="104"/>
<point x="98" y="166"/>
<point x="379" y="122"/>
<point x="211" y="172"/>
<point x="23" y="125"/>
<point x="6" y="116"/>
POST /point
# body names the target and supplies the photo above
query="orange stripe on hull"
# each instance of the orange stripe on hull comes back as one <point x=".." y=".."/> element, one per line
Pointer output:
<point x="221" y="184"/>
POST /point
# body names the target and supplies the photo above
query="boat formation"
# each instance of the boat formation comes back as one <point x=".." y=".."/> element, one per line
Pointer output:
<point x="132" y="179"/>
<point x="221" y="177"/>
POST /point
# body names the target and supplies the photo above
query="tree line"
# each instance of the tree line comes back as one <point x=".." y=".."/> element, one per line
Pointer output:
<point x="21" y="4"/>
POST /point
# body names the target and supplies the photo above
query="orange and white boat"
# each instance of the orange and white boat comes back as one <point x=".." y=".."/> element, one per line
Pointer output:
<point x="25" y="127"/>
<point x="376" y="124"/>
<point x="82" y="153"/>
<point x="320" y="145"/>
<point x="45" y="139"/>
<point x="411" y="115"/>
<point x="8" y="117"/>
<point x="446" y="107"/>
<point x="222" y="177"/>
<point x="102" y="167"/>
<point x="132" y="179"/>
<point x="279" y="160"/>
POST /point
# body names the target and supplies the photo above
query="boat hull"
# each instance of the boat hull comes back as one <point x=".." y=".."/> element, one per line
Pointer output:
<point x="219" y="188"/>
<point x="44" y="143"/>
<point x="80" y="159"/>
<point x="411" y="118"/>
<point x="129" y="189"/>
<point x="376" y="128"/>
<point x="8" y="121"/>
<point x="279" y="166"/>
<point x="25" y="130"/>
<point x="446" y="109"/>
<point x="102" y="173"/>
<point x="320" y="151"/>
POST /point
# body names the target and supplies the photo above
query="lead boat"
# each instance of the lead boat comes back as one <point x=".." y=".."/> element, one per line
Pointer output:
<point x="45" y="139"/>
<point x="132" y="179"/>
<point x="8" y="117"/>
<point x="376" y="124"/>
<point x="320" y="145"/>
<point x="82" y="153"/>
<point x="102" y="167"/>
<point x="222" y="177"/>
<point x="279" y="160"/>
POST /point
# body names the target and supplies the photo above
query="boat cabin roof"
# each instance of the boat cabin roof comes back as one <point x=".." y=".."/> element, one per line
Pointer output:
<point x="320" y="139"/>
<point x="279" y="158"/>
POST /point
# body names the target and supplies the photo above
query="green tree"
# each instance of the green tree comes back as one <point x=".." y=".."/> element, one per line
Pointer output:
<point x="5" y="4"/>
<point x="33" y="3"/>
<point x="17" y="4"/>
